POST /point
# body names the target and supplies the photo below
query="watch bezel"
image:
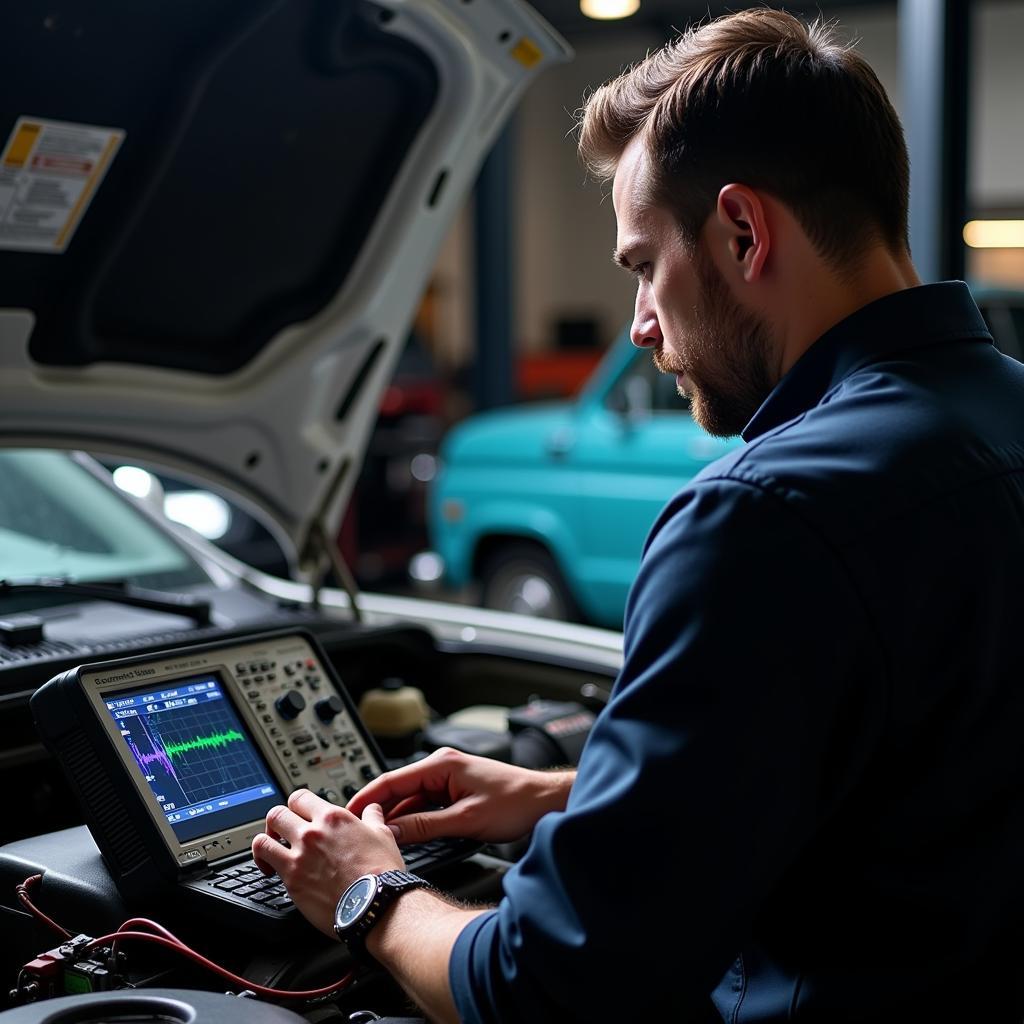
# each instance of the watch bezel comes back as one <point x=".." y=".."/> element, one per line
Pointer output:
<point x="372" y="892"/>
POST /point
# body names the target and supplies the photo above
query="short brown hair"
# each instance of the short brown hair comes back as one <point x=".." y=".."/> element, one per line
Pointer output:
<point x="762" y="99"/>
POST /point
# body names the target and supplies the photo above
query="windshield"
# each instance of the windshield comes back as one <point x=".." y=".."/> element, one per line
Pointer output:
<point x="59" y="520"/>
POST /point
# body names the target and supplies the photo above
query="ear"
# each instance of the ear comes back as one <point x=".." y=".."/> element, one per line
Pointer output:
<point x="742" y="225"/>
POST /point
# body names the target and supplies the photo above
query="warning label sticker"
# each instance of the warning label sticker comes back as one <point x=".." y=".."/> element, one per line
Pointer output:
<point x="49" y="172"/>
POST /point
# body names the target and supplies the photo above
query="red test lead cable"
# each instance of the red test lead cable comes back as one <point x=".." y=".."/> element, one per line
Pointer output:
<point x="24" y="893"/>
<point x="178" y="946"/>
<point x="160" y="936"/>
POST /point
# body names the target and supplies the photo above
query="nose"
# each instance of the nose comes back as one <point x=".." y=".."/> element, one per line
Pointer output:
<point x="646" y="331"/>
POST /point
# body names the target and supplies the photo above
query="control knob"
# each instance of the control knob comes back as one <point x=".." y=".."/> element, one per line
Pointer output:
<point x="328" y="708"/>
<point x="290" y="705"/>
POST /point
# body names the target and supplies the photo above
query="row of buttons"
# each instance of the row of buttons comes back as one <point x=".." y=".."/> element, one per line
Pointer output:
<point x="305" y="744"/>
<point x="268" y="678"/>
<point x="247" y="668"/>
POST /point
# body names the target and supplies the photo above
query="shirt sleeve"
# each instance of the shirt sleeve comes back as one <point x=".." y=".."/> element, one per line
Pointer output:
<point x="751" y="695"/>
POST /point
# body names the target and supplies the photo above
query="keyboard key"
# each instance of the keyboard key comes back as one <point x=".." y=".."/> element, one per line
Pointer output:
<point x="280" y="902"/>
<point x="228" y="884"/>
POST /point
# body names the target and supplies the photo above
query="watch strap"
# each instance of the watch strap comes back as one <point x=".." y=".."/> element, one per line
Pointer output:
<point x="400" y="880"/>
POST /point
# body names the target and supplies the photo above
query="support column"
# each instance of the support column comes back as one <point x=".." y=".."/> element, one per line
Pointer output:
<point x="934" y="40"/>
<point x="493" y="378"/>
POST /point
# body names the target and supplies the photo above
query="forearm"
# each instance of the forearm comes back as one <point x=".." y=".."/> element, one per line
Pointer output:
<point x="553" y="788"/>
<point x="414" y="941"/>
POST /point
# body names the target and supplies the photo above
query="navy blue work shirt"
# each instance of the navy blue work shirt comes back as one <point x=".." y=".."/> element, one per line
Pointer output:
<point x="806" y="795"/>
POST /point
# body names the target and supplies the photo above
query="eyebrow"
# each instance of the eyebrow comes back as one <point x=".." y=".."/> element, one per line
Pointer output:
<point x="619" y="259"/>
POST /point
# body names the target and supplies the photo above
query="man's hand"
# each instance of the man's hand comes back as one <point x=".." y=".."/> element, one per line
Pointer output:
<point x="476" y="797"/>
<point x="327" y="849"/>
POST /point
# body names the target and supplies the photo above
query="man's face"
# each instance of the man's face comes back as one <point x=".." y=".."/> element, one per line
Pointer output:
<point x="719" y="352"/>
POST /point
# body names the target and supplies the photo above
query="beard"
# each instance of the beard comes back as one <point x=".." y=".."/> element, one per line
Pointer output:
<point x="727" y="359"/>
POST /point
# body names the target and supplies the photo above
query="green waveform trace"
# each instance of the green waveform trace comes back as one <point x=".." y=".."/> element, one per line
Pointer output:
<point x="218" y="739"/>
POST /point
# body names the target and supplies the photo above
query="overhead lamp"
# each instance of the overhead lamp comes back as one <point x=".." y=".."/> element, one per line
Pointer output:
<point x="994" y="234"/>
<point x="208" y="514"/>
<point x="135" y="481"/>
<point x="608" y="10"/>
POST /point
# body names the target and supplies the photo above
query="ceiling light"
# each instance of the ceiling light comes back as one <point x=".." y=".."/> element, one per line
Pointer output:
<point x="134" y="481"/>
<point x="994" y="234"/>
<point x="606" y="10"/>
<point x="208" y="514"/>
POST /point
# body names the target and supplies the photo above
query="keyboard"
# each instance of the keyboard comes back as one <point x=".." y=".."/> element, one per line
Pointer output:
<point x="246" y="881"/>
<point x="244" y="884"/>
<point x="425" y="858"/>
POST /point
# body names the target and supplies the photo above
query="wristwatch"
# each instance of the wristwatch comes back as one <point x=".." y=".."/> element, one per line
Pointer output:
<point x="363" y="902"/>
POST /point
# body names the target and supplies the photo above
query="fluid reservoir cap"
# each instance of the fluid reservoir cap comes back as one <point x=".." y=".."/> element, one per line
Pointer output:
<point x="290" y="705"/>
<point x="394" y="709"/>
<point x="328" y="708"/>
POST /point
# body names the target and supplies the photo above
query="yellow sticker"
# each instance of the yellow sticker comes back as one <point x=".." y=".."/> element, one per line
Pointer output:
<point x="527" y="52"/>
<point x="49" y="172"/>
<point x="23" y="138"/>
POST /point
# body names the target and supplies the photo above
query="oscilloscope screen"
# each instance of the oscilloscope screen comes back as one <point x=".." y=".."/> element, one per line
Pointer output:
<point x="196" y="755"/>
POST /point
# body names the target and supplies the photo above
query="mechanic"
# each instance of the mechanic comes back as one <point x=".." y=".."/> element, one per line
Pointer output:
<point x="805" y="799"/>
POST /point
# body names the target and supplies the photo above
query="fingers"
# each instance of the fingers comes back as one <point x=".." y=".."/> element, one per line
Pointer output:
<point x="270" y="856"/>
<point x="308" y="805"/>
<point x="284" y="830"/>
<point x="373" y="815"/>
<point x="430" y="776"/>
<point x="285" y="824"/>
<point x="407" y="806"/>
<point x="418" y="828"/>
<point x="386" y="789"/>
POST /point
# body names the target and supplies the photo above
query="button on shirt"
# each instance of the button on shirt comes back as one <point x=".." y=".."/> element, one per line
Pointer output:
<point x="805" y="799"/>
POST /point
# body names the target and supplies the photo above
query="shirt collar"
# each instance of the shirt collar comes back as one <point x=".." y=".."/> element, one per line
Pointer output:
<point x="913" y="318"/>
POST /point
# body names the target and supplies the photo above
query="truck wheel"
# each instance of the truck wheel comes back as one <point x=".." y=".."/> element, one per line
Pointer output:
<point x="523" y="578"/>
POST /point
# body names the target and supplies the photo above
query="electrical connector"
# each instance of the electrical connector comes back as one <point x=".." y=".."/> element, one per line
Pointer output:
<point x="46" y="975"/>
<point x="87" y="976"/>
<point x="45" y="966"/>
<point x="76" y="947"/>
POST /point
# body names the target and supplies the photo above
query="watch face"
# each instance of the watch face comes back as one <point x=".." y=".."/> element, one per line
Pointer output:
<point x="358" y="896"/>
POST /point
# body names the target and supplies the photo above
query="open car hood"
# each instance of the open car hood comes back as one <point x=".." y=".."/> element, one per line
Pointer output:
<point x="217" y="217"/>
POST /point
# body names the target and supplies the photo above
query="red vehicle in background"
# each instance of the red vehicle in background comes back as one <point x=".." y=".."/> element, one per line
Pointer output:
<point x="386" y="521"/>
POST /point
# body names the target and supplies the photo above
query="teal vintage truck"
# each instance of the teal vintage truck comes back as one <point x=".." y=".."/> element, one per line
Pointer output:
<point x="544" y="508"/>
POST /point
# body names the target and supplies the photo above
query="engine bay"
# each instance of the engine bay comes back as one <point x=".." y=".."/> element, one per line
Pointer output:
<point x="66" y="892"/>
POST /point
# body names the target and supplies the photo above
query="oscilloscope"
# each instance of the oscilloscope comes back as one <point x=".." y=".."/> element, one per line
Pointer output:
<point x="177" y="757"/>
